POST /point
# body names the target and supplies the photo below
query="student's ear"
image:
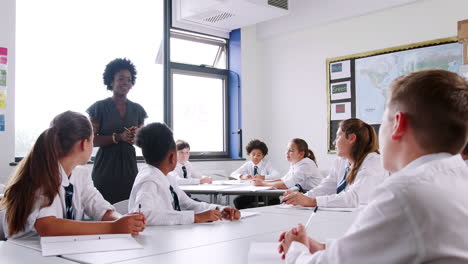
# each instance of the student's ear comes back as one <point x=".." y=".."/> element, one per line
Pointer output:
<point x="82" y="144"/>
<point x="172" y="157"/>
<point x="400" y="125"/>
<point x="351" y="138"/>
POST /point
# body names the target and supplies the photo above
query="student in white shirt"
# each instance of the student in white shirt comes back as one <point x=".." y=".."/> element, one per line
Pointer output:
<point x="184" y="171"/>
<point x="303" y="172"/>
<point x="355" y="174"/>
<point x="161" y="199"/>
<point x="418" y="215"/>
<point x="258" y="167"/>
<point x="49" y="195"/>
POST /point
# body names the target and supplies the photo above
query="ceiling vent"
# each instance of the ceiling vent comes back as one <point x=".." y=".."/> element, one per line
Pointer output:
<point x="224" y="15"/>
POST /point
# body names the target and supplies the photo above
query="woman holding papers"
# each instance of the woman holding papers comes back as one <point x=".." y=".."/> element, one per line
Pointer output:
<point x="49" y="194"/>
<point x="303" y="172"/>
<point x="115" y="121"/>
<point x="355" y="173"/>
<point x="159" y="195"/>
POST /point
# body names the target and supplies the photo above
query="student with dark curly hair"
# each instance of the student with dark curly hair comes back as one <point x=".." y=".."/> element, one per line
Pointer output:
<point x="257" y="167"/>
<point x="115" y="121"/>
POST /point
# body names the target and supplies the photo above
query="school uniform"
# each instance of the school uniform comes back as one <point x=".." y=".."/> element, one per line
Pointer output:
<point x="417" y="215"/>
<point x="86" y="199"/>
<point x="334" y="191"/>
<point x="161" y="199"/>
<point x="186" y="174"/>
<point x="305" y="173"/>
<point x="262" y="168"/>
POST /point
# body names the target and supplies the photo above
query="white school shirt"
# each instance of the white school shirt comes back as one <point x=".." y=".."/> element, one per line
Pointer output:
<point x="151" y="190"/>
<point x="418" y="215"/>
<point x="368" y="177"/>
<point x="86" y="200"/>
<point x="264" y="168"/>
<point x="303" y="172"/>
<point x="193" y="176"/>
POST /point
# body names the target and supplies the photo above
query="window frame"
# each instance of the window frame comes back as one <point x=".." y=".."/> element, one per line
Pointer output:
<point x="200" y="71"/>
<point x="185" y="69"/>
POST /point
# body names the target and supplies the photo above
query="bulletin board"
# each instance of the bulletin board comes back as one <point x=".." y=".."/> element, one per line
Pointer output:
<point x="357" y="84"/>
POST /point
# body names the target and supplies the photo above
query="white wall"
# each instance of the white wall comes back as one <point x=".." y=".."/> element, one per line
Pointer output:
<point x="7" y="39"/>
<point x="291" y="66"/>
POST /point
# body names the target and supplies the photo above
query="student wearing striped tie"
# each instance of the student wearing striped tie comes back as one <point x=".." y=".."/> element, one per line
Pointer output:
<point x="258" y="167"/>
<point x="49" y="193"/>
<point x="161" y="199"/>
<point x="418" y="214"/>
<point x="355" y="174"/>
<point x="184" y="171"/>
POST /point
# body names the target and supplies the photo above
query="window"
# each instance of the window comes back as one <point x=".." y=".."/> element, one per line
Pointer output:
<point x="62" y="49"/>
<point x="199" y="112"/>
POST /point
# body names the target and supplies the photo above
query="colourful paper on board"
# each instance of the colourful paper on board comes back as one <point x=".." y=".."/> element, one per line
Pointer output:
<point x="2" y="100"/>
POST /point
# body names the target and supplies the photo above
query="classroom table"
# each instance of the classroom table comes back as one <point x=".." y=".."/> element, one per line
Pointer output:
<point x="216" y="189"/>
<point x="11" y="253"/>
<point x="180" y="243"/>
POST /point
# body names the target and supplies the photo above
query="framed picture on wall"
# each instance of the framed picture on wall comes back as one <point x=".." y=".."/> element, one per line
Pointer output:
<point x="363" y="94"/>
<point x="340" y="70"/>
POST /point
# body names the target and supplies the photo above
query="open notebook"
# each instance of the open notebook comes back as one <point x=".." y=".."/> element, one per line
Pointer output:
<point x="61" y="245"/>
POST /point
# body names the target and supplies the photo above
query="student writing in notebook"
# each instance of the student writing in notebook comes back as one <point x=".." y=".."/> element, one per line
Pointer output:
<point x="418" y="214"/>
<point x="184" y="170"/>
<point x="355" y="174"/>
<point x="49" y="193"/>
<point x="303" y="172"/>
<point x="161" y="199"/>
<point x="258" y="167"/>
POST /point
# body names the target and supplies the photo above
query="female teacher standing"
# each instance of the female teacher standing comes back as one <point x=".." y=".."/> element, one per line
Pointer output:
<point x="115" y="121"/>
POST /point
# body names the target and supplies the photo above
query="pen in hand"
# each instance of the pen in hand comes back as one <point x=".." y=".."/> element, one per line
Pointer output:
<point x="139" y="208"/>
<point x="310" y="218"/>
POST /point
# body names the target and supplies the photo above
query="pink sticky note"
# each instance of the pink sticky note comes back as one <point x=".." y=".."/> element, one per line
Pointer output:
<point x="3" y="51"/>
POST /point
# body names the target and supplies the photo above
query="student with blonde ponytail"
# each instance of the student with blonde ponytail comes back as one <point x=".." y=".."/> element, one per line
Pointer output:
<point x="303" y="172"/>
<point x="49" y="193"/>
<point x="355" y="173"/>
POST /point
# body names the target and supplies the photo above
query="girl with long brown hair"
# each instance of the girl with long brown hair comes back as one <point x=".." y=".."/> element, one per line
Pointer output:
<point x="355" y="173"/>
<point x="49" y="194"/>
<point x="303" y="172"/>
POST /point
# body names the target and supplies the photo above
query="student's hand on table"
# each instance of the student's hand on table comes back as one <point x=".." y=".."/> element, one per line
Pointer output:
<point x="207" y="180"/>
<point x="257" y="182"/>
<point x="245" y="177"/>
<point x="231" y="213"/>
<point x="297" y="198"/>
<point x="258" y="176"/>
<point x="208" y="216"/>
<point x="131" y="223"/>
<point x="298" y="234"/>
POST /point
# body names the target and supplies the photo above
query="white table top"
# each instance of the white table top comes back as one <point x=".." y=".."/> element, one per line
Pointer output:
<point x="228" y="241"/>
<point x="14" y="254"/>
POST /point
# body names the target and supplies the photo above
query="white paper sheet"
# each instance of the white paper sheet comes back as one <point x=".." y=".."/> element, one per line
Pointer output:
<point x="340" y="69"/>
<point x="264" y="253"/>
<point x="340" y="111"/>
<point x="61" y="245"/>
<point x="334" y="209"/>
